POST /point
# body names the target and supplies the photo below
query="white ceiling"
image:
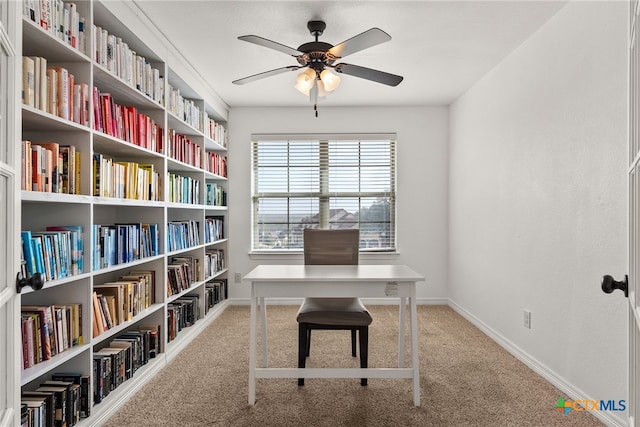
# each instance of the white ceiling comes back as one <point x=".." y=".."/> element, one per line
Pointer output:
<point x="440" y="47"/>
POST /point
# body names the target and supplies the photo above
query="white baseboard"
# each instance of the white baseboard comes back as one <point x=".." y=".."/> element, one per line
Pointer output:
<point x="540" y="368"/>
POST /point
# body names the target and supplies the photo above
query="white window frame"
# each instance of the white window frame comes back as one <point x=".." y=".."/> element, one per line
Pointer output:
<point x="323" y="195"/>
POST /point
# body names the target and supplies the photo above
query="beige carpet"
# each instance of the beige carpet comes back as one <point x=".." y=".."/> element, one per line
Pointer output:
<point x="466" y="379"/>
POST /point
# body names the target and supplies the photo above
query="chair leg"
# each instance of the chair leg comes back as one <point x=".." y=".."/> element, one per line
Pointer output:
<point x="353" y="342"/>
<point x="303" y="334"/>
<point x="308" y="347"/>
<point x="364" y="350"/>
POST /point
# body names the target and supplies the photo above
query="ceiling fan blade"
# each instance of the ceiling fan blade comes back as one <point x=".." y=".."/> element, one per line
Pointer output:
<point x="270" y="73"/>
<point x="369" y="74"/>
<point x="261" y="41"/>
<point x="362" y="41"/>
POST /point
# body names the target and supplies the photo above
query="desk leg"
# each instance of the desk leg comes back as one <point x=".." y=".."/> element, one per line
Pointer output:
<point x="252" y="348"/>
<point x="403" y="306"/>
<point x="263" y="314"/>
<point x="414" y="350"/>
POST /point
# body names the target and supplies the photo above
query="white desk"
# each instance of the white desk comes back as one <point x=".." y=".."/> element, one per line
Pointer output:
<point x="366" y="281"/>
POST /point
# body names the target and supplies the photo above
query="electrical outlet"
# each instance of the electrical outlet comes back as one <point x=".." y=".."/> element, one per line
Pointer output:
<point x="238" y="278"/>
<point x="527" y="319"/>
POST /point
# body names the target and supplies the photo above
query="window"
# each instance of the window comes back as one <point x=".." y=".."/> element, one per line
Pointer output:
<point x="323" y="181"/>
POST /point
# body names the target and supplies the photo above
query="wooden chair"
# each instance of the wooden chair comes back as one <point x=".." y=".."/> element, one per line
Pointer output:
<point x="332" y="247"/>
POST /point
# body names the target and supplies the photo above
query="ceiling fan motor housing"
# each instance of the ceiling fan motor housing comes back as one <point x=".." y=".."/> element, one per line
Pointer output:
<point x="316" y="28"/>
<point x="316" y="54"/>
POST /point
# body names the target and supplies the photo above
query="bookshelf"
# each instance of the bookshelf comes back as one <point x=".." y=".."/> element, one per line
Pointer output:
<point x="137" y="175"/>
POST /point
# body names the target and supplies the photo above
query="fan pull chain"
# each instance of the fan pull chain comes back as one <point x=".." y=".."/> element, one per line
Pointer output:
<point x="315" y="108"/>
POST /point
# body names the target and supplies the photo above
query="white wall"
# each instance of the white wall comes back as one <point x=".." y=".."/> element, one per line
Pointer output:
<point x="538" y="198"/>
<point x="422" y="152"/>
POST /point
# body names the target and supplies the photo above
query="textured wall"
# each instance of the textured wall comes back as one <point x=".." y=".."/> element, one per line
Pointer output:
<point x="538" y="197"/>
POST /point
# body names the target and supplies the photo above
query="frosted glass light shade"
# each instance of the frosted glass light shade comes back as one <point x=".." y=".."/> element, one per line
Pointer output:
<point x="330" y="80"/>
<point x="305" y="81"/>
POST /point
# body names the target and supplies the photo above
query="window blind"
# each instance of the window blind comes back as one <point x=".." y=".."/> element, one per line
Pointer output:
<point x="332" y="182"/>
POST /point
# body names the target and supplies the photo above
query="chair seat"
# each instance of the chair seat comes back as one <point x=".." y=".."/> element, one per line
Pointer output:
<point x="334" y="312"/>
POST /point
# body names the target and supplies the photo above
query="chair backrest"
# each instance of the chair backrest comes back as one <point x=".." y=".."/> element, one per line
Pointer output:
<point x="331" y="247"/>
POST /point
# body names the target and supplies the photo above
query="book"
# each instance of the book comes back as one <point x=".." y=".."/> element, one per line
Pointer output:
<point x="52" y="91"/>
<point x="61" y="341"/>
<point x="68" y="172"/>
<point x="28" y="341"/>
<point x="78" y="172"/>
<point x="62" y="92"/>
<point x="108" y="323"/>
<point x="99" y="321"/>
<point x="28" y="252"/>
<point x="28" y="81"/>
<point x="37" y="178"/>
<point x="39" y="254"/>
<point x="95" y="324"/>
<point x="36" y="80"/>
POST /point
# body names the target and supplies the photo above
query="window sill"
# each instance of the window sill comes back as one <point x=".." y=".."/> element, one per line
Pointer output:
<point x="298" y="255"/>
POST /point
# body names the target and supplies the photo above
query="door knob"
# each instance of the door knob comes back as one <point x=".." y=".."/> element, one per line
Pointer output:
<point x="609" y="285"/>
<point x="34" y="281"/>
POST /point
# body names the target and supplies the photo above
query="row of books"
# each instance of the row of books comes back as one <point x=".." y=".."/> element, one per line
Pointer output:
<point x="182" y="272"/>
<point x="122" y="357"/>
<point x="125" y="180"/>
<point x="215" y="163"/>
<point x="215" y="195"/>
<point x="185" y="109"/>
<point x="215" y="291"/>
<point x="55" y="253"/>
<point x="182" y="234"/>
<point x="183" y="189"/>
<point x="116" y="244"/>
<point x="181" y="148"/>
<point x="61" y="401"/>
<point x="125" y="122"/>
<point x="185" y="311"/>
<point x="50" y="167"/>
<point x="120" y="301"/>
<point x="214" y="262"/>
<point x="213" y="228"/>
<point x="48" y="330"/>
<point x="215" y="131"/>
<point x="54" y="90"/>
<point x="60" y="19"/>
<point x="117" y="57"/>
<point x="182" y="313"/>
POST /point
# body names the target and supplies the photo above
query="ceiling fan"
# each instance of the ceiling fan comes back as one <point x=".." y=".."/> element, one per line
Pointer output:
<point x="320" y="57"/>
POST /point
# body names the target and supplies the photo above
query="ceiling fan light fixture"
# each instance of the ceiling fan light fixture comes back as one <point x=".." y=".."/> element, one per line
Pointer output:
<point x="322" y="89"/>
<point x="330" y="81"/>
<point x="305" y="81"/>
<point x="317" y="80"/>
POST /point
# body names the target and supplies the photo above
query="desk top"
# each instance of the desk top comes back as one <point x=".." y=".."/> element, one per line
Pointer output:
<point x="333" y="273"/>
